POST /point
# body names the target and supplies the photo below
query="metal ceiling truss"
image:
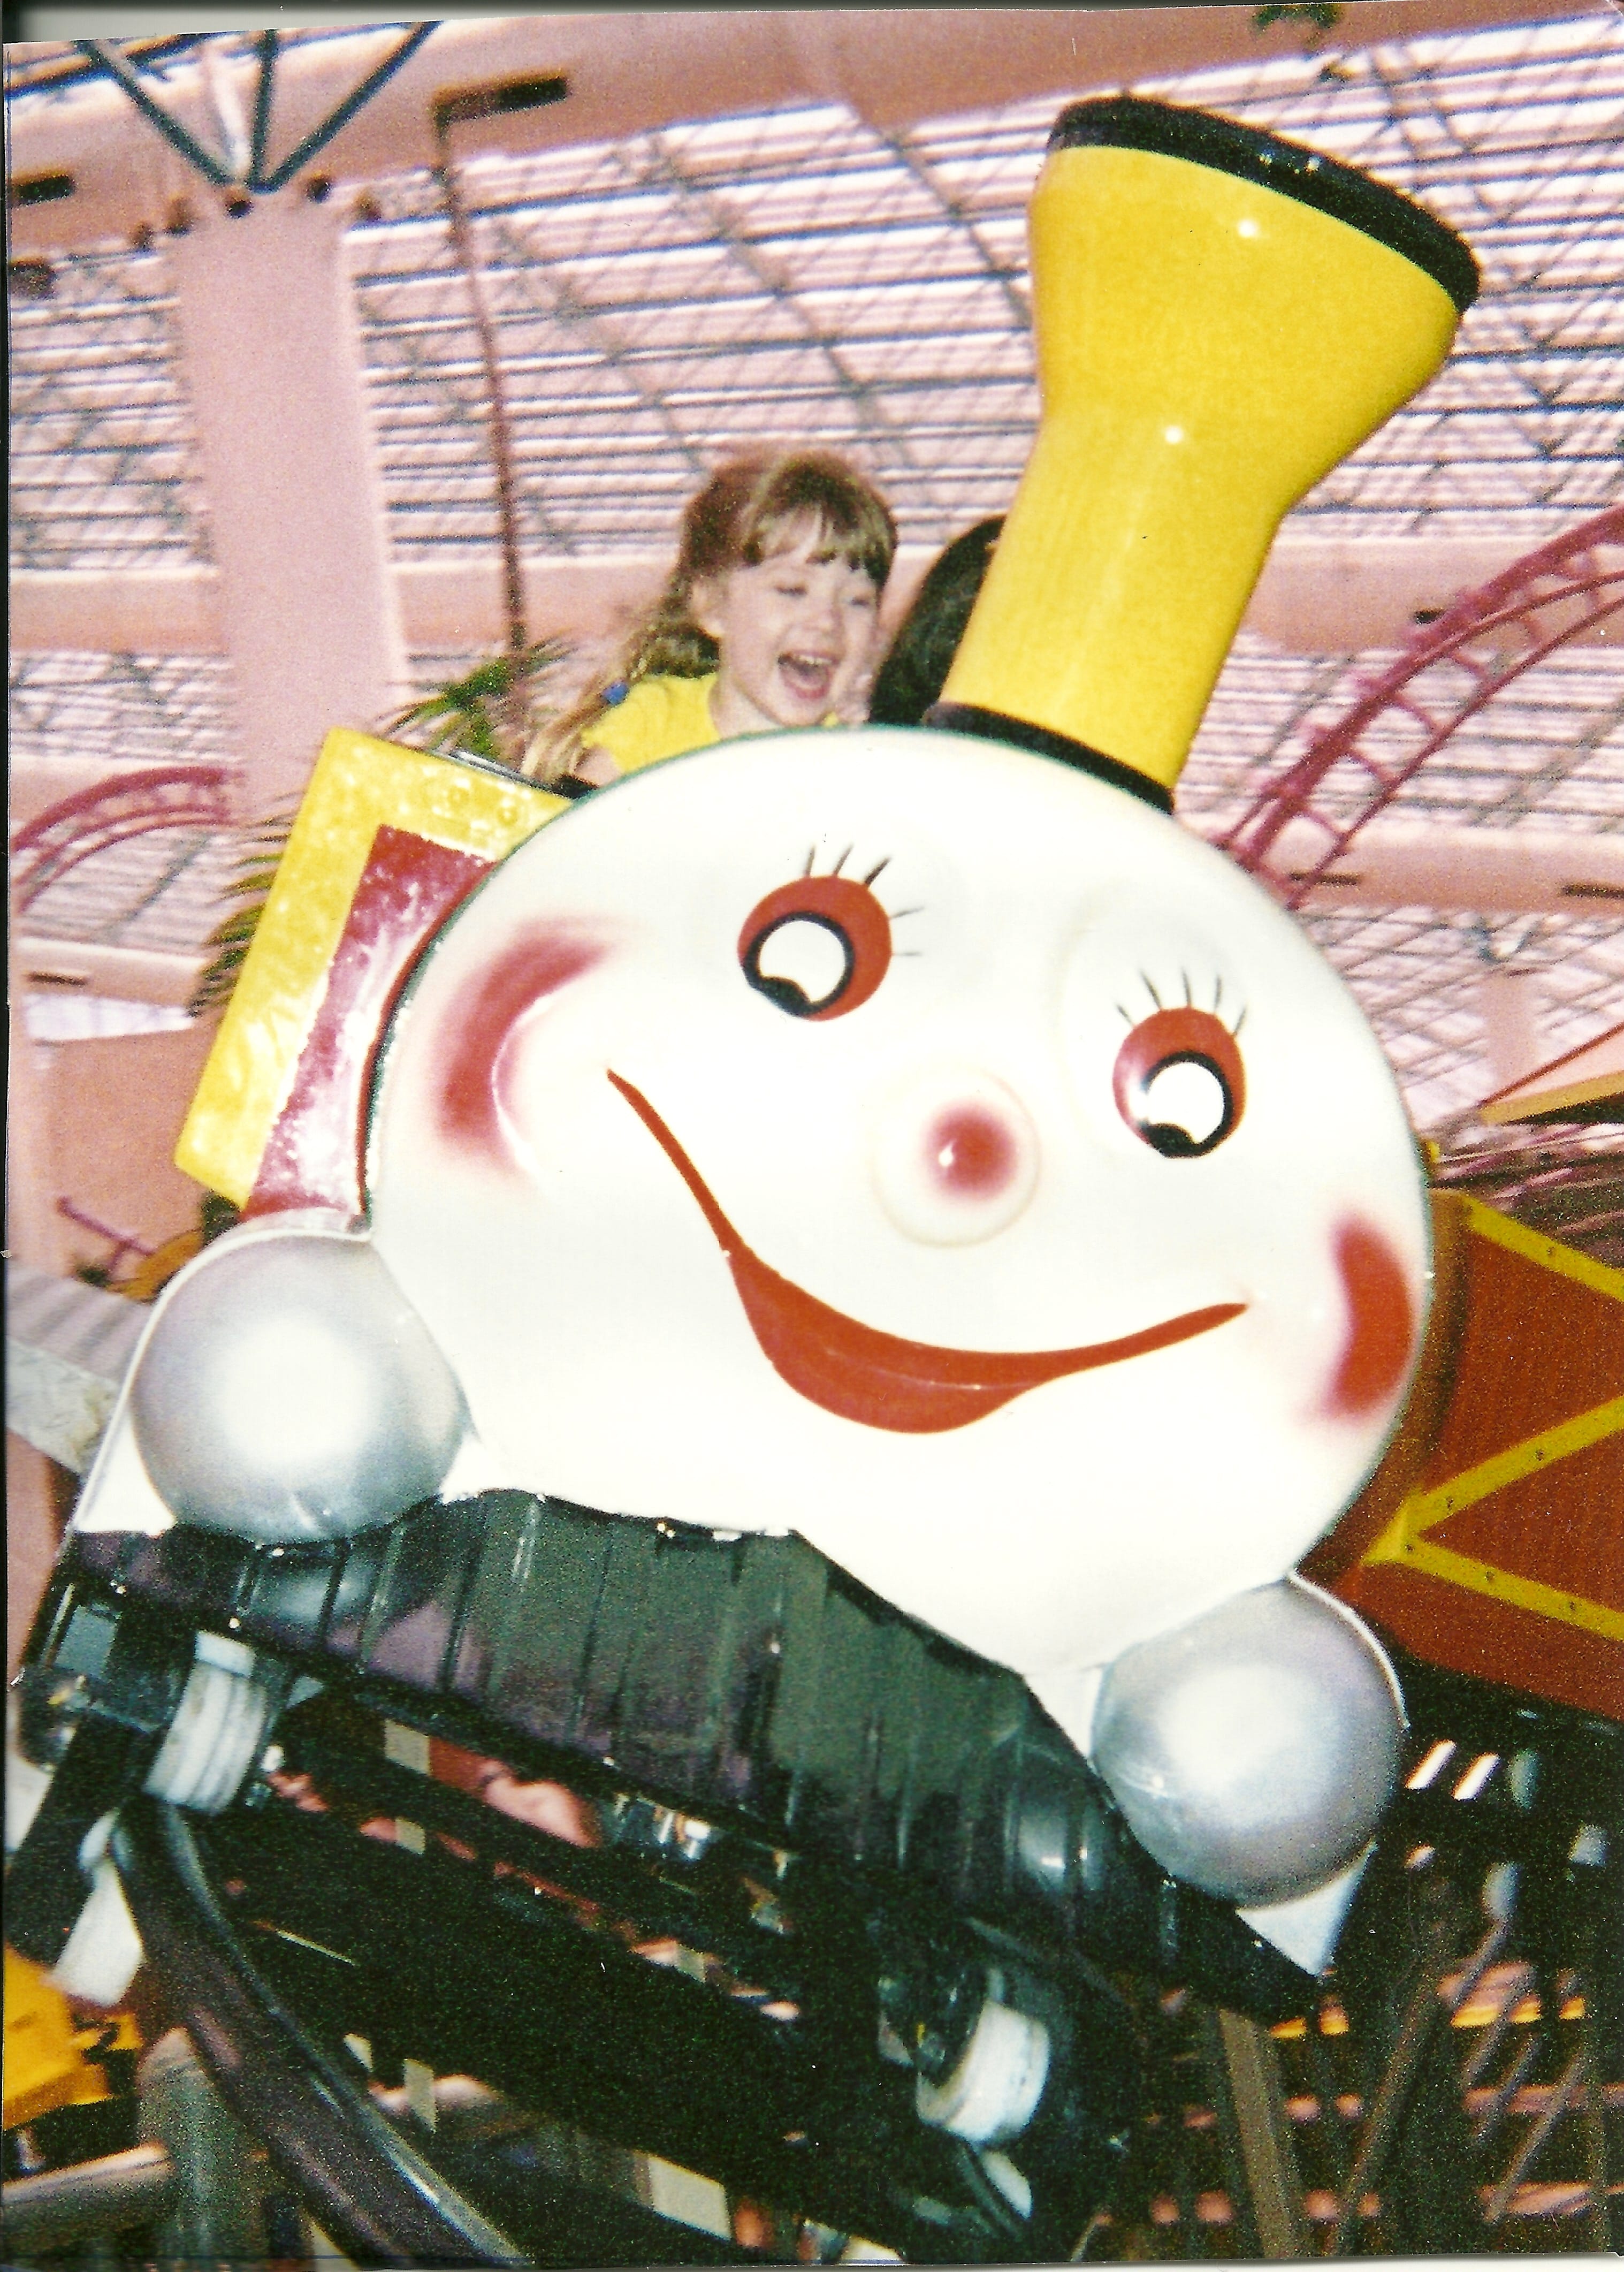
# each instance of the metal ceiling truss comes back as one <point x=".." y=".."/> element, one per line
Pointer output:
<point x="240" y="163"/>
<point x="810" y="207"/>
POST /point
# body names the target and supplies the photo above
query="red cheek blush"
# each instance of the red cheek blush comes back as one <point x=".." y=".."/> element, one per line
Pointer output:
<point x="1381" y="1327"/>
<point x="481" y="1023"/>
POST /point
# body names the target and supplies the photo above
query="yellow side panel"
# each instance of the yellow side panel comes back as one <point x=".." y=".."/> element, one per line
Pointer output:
<point x="1535" y="1247"/>
<point x="46" y="2065"/>
<point x="359" y="786"/>
<point x="1404" y="1541"/>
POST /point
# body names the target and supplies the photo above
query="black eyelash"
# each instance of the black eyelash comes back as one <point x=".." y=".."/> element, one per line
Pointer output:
<point x="893" y="914"/>
<point x="1217" y="995"/>
<point x="1129" y="1018"/>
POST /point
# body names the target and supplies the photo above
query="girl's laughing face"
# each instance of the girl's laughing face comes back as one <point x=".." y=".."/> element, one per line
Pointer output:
<point x="797" y="633"/>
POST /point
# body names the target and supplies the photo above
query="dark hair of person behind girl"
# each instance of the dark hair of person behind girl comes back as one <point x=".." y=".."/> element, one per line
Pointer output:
<point x="752" y="504"/>
<point x="917" y="661"/>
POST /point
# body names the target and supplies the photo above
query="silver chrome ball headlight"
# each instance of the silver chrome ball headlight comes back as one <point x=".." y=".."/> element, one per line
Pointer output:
<point x="1254" y="1750"/>
<point x="289" y="1390"/>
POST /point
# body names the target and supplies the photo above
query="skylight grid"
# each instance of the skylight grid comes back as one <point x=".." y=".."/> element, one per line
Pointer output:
<point x="101" y="448"/>
<point x="760" y="230"/>
<point x="1414" y="974"/>
<point x="1573" y="316"/>
<point x="120" y="712"/>
<point x="958" y="321"/>
<point x="1486" y="80"/>
<point x="800" y="141"/>
<point x="786" y="212"/>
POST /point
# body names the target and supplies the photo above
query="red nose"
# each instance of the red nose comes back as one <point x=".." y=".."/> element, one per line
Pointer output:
<point x="971" y="1151"/>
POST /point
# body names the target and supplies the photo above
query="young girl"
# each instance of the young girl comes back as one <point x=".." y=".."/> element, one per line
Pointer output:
<point x="769" y="619"/>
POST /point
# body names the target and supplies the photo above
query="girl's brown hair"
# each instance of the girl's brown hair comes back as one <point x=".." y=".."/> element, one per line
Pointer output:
<point x="742" y="516"/>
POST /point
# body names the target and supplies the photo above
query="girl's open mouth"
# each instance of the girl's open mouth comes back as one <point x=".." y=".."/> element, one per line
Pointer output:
<point x="882" y="1379"/>
<point x="809" y="678"/>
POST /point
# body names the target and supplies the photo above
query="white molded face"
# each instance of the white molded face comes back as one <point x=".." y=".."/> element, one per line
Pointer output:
<point x="1059" y="1275"/>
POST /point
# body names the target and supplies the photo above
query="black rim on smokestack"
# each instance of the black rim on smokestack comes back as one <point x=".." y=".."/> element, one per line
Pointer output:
<point x="1129" y="122"/>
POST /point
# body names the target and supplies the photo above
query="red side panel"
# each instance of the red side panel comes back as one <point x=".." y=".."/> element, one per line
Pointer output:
<point x="407" y="888"/>
<point x="1526" y="1337"/>
<point x="1495" y="1641"/>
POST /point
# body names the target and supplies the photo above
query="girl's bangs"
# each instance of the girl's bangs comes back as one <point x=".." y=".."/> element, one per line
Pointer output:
<point x="852" y="528"/>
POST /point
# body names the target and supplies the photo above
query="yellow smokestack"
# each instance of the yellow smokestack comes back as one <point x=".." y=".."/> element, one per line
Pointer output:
<point x="1220" y="316"/>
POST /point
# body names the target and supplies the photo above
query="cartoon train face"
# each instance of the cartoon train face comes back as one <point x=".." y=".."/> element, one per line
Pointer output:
<point x="921" y="1146"/>
<point x="908" y="1143"/>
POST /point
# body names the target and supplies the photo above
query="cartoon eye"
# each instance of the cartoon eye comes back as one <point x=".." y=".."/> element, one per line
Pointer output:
<point x="818" y="947"/>
<point x="1180" y="1083"/>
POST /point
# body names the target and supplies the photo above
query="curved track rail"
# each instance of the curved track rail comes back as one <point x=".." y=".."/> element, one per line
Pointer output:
<point x="134" y="804"/>
<point x="1493" y="635"/>
<point x="369" y="2184"/>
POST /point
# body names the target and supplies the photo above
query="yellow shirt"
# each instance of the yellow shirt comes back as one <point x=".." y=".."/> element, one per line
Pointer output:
<point x="660" y="718"/>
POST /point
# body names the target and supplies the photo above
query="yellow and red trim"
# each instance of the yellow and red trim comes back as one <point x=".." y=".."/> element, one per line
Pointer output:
<point x="361" y="786"/>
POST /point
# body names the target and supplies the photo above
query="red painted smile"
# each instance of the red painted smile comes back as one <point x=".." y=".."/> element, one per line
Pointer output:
<point x="881" y="1379"/>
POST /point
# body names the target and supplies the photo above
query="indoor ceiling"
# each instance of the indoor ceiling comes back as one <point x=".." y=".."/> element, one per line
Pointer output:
<point x="803" y="272"/>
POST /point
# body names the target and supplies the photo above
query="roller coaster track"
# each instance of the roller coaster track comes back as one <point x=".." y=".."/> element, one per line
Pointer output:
<point x="108" y="813"/>
<point x="1492" y="635"/>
